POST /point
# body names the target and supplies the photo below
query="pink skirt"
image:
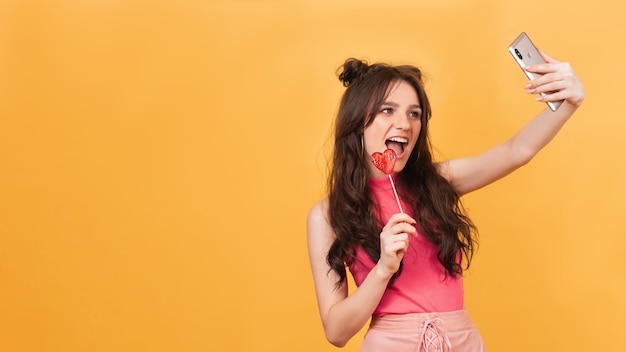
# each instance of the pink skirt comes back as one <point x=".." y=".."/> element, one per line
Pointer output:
<point x="423" y="332"/>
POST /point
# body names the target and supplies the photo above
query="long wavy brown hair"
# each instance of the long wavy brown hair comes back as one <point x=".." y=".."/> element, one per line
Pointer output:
<point x="441" y="216"/>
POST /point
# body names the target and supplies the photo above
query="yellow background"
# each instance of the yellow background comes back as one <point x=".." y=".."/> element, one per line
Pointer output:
<point x="158" y="159"/>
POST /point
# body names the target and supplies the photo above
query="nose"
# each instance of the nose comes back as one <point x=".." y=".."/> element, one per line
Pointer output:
<point x="401" y="122"/>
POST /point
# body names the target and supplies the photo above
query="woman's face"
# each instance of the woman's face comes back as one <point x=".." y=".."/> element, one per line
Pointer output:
<point x="397" y="126"/>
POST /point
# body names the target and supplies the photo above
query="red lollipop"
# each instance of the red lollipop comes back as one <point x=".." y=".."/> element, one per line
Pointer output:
<point x="385" y="162"/>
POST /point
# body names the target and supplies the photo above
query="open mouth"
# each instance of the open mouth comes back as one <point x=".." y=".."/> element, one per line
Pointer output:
<point x="397" y="144"/>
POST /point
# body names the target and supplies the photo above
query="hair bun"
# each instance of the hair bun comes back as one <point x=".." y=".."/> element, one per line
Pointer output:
<point x="353" y="70"/>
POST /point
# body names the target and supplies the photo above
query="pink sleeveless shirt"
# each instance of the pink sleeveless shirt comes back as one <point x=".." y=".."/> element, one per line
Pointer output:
<point x="422" y="286"/>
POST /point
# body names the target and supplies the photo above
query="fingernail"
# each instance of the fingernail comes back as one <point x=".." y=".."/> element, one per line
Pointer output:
<point x="531" y="91"/>
<point x="527" y="86"/>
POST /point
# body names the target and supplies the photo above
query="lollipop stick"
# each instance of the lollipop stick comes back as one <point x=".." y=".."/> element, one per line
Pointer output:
<point x="395" y="193"/>
<point x="385" y="162"/>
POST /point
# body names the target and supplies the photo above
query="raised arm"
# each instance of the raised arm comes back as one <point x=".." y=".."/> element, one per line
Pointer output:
<point x="558" y="82"/>
<point x="344" y="315"/>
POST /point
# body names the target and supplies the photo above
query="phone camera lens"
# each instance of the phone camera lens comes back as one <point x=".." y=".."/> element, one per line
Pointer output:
<point x="519" y="55"/>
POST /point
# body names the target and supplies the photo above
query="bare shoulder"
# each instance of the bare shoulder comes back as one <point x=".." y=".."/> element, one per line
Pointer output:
<point x="319" y="232"/>
<point x="319" y="211"/>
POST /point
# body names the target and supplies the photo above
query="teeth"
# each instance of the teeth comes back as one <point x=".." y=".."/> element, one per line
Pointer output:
<point x="399" y="140"/>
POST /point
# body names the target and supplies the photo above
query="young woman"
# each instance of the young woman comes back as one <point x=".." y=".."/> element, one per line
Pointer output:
<point x="408" y="265"/>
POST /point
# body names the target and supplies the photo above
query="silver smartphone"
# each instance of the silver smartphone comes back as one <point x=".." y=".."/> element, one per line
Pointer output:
<point x="525" y="53"/>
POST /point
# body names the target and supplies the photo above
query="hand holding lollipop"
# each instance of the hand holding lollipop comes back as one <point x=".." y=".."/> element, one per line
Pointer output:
<point x="385" y="162"/>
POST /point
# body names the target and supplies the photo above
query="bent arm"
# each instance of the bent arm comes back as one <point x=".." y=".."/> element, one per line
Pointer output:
<point x="559" y="83"/>
<point x="342" y="315"/>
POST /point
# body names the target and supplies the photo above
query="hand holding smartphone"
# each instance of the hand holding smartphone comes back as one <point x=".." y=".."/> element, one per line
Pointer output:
<point x="525" y="53"/>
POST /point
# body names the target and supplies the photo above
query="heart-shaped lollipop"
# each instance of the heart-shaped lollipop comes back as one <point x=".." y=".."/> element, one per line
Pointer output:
<point x="385" y="162"/>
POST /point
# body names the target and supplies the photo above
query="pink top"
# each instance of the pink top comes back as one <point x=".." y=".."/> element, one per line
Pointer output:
<point x="422" y="286"/>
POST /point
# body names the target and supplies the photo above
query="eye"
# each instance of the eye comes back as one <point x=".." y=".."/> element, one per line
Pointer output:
<point x="387" y="110"/>
<point x="415" y="114"/>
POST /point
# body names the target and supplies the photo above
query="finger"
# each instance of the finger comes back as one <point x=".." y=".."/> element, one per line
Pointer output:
<point x="561" y="68"/>
<point x="394" y="249"/>
<point x="559" y="74"/>
<point x="551" y="97"/>
<point x="402" y="238"/>
<point x="396" y="246"/>
<point x="392" y="239"/>
<point x="550" y="87"/>
<point x="397" y="229"/>
<point x="406" y="229"/>
<point x="560" y="90"/>
<point x="538" y="68"/>
<point x="404" y="243"/>
<point x="401" y="217"/>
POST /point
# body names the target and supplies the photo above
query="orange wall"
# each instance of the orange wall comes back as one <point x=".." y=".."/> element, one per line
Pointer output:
<point x="158" y="158"/>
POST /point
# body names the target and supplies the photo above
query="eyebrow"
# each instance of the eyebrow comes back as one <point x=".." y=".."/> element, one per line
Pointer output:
<point x="412" y="106"/>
